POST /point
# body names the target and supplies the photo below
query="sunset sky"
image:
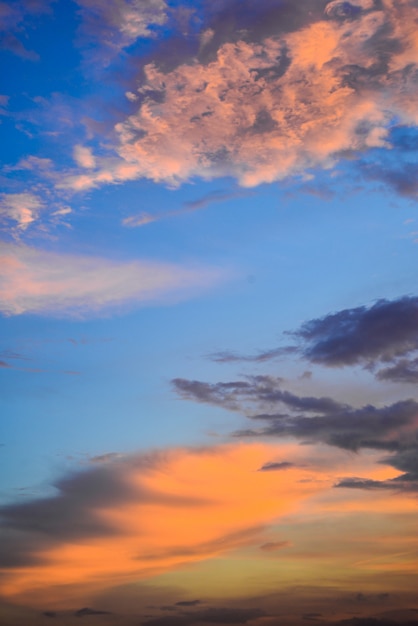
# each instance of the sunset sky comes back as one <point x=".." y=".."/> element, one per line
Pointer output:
<point x="209" y="312"/>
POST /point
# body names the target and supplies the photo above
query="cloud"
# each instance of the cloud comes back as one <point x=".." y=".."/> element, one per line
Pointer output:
<point x="404" y="371"/>
<point x="43" y="282"/>
<point x="14" y="19"/>
<point x="139" y="516"/>
<point x="274" y="546"/>
<point x="382" y="332"/>
<point x="262" y="356"/>
<point x="256" y="101"/>
<point x="135" y="221"/>
<point x="392" y="428"/>
<point x="276" y="466"/>
<point x="86" y="611"/>
<point x="20" y="208"/>
<point x="263" y="391"/>
<point x="83" y="156"/>
<point x="213" y="615"/>
<point x="116" y="24"/>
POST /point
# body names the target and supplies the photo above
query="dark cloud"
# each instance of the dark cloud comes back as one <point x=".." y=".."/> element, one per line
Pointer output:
<point x="350" y="429"/>
<point x="391" y="429"/>
<point x="86" y="612"/>
<point x="74" y="513"/>
<point x="188" y="603"/>
<point x="404" y="460"/>
<point x="263" y="391"/>
<point x="209" y="615"/>
<point x="275" y="467"/>
<point x="273" y="546"/>
<point x="404" y="371"/>
<point x="230" y="20"/>
<point x="375" y="621"/>
<point x="398" y="175"/>
<point x="382" y="332"/>
<point x="260" y="357"/>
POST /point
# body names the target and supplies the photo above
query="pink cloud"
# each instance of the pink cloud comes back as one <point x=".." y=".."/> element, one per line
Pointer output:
<point x="262" y="111"/>
<point x="41" y="282"/>
<point x="21" y="208"/>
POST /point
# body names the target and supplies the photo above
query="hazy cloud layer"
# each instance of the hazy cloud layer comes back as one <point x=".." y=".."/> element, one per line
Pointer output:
<point x="41" y="282"/>
<point x="269" y="92"/>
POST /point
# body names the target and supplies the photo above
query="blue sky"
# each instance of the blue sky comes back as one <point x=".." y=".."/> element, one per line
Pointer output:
<point x="208" y="241"/>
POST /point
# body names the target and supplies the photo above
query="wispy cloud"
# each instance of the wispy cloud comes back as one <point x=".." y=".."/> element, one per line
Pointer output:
<point x="22" y="209"/>
<point x="43" y="282"/>
<point x="141" y="219"/>
<point x="117" y="24"/>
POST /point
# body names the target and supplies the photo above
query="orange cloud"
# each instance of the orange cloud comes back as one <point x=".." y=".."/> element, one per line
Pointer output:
<point x="159" y="514"/>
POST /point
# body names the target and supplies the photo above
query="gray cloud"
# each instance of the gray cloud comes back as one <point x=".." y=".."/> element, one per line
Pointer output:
<point x="276" y="467"/>
<point x="213" y="615"/>
<point x="86" y="612"/>
<point x="259" y="390"/>
<point x="260" y="357"/>
<point x="74" y="512"/>
<point x="382" y="332"/>
<point x="404" y="371"/>
<point x="391" y="428"/>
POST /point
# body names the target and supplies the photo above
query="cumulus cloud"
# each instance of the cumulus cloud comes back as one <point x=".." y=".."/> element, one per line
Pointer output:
<point x="43" y="282"/>
<point x="301" y="91"/>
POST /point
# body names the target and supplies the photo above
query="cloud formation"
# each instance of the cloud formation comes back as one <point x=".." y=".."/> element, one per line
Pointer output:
<point x="135" y="517"/>
<point x="117" y="24"/>
<point x="271" y="97"/>
<point x="43" y="282"/>
<point x="392" y="428"/>
<point x="362" y="335"/>
<point x="21" y="209"/>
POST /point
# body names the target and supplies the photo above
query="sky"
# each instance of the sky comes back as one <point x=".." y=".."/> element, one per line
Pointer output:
<point x="209" y="312"/>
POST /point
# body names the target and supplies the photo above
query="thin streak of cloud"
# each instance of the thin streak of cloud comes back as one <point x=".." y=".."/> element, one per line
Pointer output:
<point x="142" y="219"/>
<point x="41" y="282"/>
